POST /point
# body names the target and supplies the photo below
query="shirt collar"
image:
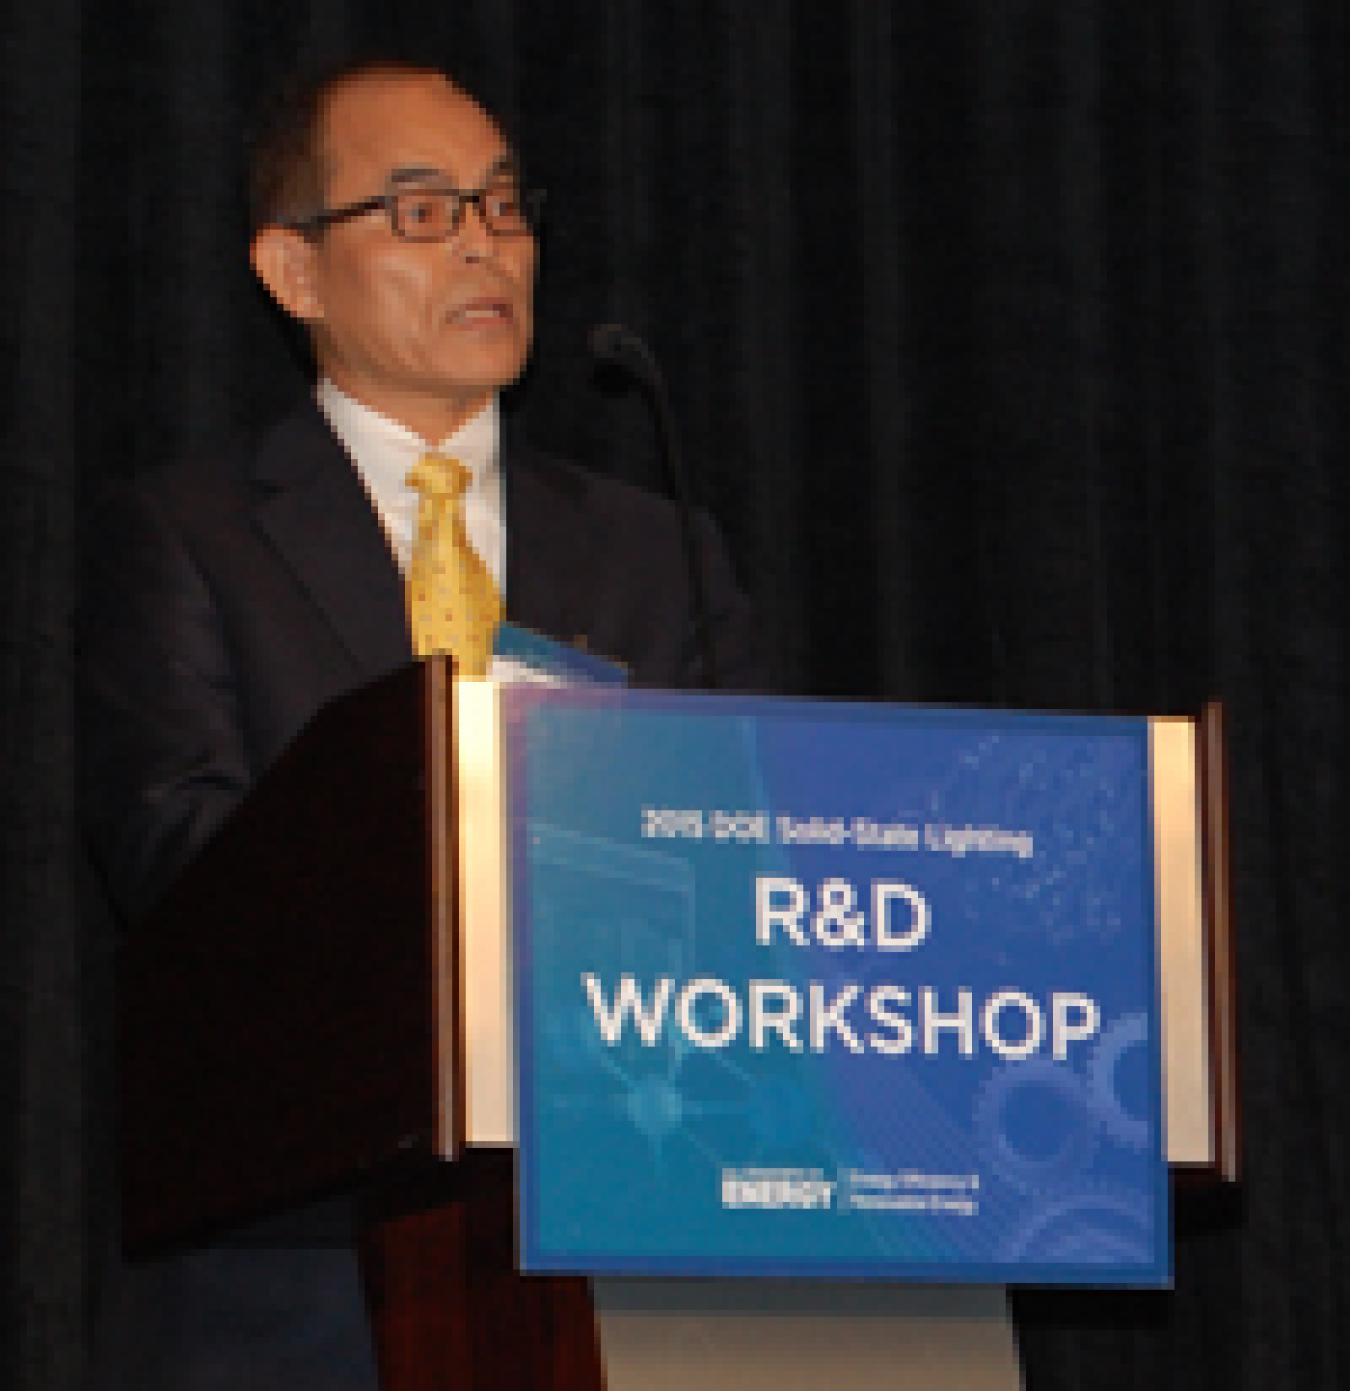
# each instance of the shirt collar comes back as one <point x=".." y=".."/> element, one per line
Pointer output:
<point x="379" y="444"/>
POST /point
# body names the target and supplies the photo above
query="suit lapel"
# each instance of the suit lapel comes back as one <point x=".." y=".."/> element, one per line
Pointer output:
<point x="317" y="515"/>
<point x="315" y="510"/>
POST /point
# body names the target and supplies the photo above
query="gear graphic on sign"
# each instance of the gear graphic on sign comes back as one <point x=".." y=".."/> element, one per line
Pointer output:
<point x="1076" y="1142"/>
<point x="1128" y="1032"/>
<point x="1093" y="1225"/>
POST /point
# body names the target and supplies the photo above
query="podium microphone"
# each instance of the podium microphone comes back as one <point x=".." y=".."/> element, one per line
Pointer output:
<point x="613" y="345"/>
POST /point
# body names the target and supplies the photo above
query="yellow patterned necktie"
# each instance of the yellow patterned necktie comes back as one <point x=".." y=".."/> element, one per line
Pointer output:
<point x="453" y="603"/>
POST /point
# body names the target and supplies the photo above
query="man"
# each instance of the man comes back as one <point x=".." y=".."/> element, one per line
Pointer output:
<point x="233" y="595"/>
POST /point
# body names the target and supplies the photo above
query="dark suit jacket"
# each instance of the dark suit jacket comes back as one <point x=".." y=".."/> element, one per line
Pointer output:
<point x="225" y="600"/>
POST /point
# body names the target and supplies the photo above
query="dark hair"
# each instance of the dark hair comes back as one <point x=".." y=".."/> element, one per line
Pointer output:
<point x="287" y="178"/>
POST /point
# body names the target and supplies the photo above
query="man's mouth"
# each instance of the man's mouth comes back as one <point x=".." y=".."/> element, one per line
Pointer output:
<point x="477" y="312"/>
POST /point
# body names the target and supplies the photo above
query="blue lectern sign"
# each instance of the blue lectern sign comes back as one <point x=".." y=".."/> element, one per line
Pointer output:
<point x="818" y="989"/>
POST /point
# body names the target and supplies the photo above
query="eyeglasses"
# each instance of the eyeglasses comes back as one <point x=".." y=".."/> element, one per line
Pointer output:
<point x="436" y="213"/>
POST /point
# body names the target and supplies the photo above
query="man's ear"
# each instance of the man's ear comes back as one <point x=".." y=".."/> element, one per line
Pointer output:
<point x="284" y="261"/>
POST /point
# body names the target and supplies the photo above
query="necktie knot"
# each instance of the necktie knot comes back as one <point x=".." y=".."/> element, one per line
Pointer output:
<point x="439" y="476"/>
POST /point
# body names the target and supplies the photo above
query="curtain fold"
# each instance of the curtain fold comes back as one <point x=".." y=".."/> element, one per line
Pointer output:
<point x="42" y="1132"/>
<point x="1007" y="338"/>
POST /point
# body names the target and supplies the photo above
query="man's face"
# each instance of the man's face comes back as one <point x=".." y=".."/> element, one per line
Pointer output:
<point x="424" y="332"/>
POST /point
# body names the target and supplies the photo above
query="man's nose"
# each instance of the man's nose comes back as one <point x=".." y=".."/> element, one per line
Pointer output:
<point x="474" y="240"/>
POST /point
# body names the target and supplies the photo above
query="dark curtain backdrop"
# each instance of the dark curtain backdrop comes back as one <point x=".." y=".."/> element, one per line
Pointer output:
<point x="1008" y="341"/>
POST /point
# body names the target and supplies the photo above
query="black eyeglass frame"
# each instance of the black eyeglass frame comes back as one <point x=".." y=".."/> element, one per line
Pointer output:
<point x="531" y="203"/>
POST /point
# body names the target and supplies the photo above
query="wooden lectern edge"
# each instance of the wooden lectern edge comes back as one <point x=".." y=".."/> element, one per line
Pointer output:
<point x="445" y="890"/>
<point x="1195" y="1184"/>
<point x="1217" y="883"/>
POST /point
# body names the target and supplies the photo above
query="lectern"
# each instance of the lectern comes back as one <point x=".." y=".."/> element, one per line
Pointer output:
<point x="290" y="1027"/>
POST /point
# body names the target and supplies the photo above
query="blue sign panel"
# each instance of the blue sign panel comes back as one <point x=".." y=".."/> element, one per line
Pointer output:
<point x="824" y="990"/>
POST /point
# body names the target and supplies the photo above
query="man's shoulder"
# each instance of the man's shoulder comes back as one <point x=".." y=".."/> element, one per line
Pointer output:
<point x="208" y="484"/>
<point x="552" y="476"/>
<point x="244" y="459"/>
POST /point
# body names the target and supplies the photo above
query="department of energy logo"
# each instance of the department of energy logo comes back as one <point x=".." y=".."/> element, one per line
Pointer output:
<point x="776" y="1189"/>
<point x="906" y="1191"/>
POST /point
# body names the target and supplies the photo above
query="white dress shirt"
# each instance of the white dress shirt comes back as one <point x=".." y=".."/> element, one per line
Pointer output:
<point x="383" y="451"/>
